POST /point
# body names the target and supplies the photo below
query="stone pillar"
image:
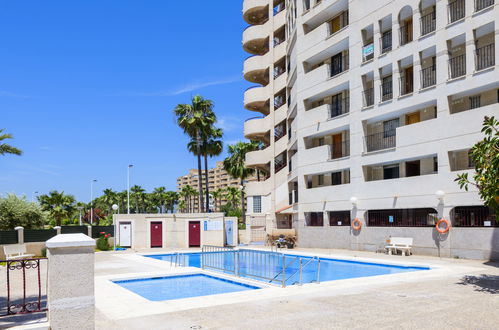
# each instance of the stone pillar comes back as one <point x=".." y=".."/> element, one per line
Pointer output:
<point x="58" y="229"/>
<point x="70" y="290"/>
<point x="89" y="231"/>
<point x="20" y="235"/>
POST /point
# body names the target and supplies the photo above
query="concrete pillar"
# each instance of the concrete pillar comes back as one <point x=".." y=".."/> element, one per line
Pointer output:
<point x="20" y="235"/>
<point x="70" y="290"/>
<point x="58" y="229"/>
<point x="470" y="53"/>
<point x="89" y="231"/>
<point x="417" y="83"/>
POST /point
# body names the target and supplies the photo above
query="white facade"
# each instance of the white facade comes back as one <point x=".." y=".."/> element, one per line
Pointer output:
<point x="384" y="100"/>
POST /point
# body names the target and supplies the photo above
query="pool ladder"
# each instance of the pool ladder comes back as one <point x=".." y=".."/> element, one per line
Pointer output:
<point x="178" y="259"/>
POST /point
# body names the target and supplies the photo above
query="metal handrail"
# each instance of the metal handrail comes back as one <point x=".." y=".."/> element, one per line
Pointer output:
<point x="283" y="270"/>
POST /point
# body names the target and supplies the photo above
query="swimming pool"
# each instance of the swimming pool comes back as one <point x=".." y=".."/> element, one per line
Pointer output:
<point x="328" y="270"/>
<point x="182" y="286"/>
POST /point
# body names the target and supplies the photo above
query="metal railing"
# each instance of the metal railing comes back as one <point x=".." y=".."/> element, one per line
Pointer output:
<point x="380" y="141"/>
<point x="340" y="107"/>
<point x="428" y="23"/>
<point x="485" y="57"/>
<point x="279" y="7"/>
<point x="456" y="10"/>
<point x="405" y="34"/>
<point x="279" y="70"/>
<point x="178" y="259"/>
<point x="406" y="84"/>
<point x="482" y="4"/>
<point x="386" y="90"/>
<point x="279" y="101"/>
<point x="368" y="97"/>
<point x="340" y="66"/>
<point x="428" y="77"/>
<point x="457" y="66"/>
<point x="279" y="163"/>
<point x="273" y="267"/>
<point x="419" y="217"/>
<point x="386" y="41"/>
<point x="340" y="150"/>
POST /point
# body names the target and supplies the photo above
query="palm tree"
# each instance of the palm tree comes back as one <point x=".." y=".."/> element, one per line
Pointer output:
<point x="138" y="194"/>
<point x="196" y="119"/>
<point x="234" y="164"/>
<point x="187" y="193"/>
<point x="211" y="146"/>
<point x="233" y="196"/>
<point x="159" y="198"/>
<point x="217" y="196"/>
<point x="6" y="148"/>
<point x="109" y="198"/>
<point x="171" y="200"/>
<point x="58" y="204"/>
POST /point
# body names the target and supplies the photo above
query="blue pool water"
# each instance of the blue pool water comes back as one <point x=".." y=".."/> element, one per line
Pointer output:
<point x="261" y="264"/>
<point x="182" y="286"/>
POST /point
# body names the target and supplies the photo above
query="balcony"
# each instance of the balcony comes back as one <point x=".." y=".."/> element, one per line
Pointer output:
<point x="428" y="77"/>
<point x="405" y="33"/>
<point x="259" y="158"/>
<point x="255" y="11"/>
<point x="256" y="69"/>
<point x="339" y="64"/>
<point x="255" y="38"/>
<point x="386" y="42"/>
<point x="428" y="23"/>
<point x="456" y="10"/>
<point x="381" y="141"/>
<point x="339" y="106"/>
<point x="258" y="188"/>
<point x="368" y="97"/>
<point x="485" y="57"/>
<point x="256" y="127"/>
<point x="482" y="4"/>
<point x="406" y="85"/>
<point x="257" y="99"/>
<point x="386" y="90"/>
<point x="457" y="66"/>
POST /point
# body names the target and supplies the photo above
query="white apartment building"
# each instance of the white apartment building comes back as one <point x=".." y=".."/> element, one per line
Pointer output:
<point x="381" y="101"/>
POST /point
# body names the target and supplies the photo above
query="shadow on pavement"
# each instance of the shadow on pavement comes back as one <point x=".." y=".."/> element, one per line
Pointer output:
<point x="482" y="283"/>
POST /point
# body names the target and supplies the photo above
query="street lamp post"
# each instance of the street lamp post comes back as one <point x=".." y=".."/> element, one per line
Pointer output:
<point x="128" y="189"/>
<point x="79" y="218"/>
<point x="92" y="201"/>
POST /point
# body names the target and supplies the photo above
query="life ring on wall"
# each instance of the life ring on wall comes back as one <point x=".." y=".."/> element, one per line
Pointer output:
<point x="445" y="229"/>
<point x="356" y="224"/>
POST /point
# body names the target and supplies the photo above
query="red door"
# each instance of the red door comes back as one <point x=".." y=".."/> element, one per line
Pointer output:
<point x="194" y="233"/>
<point x="156" y="234"/>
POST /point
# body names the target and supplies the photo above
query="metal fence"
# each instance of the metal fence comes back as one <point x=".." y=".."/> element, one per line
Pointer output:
<point x="456" y="10"/>
<point x="8" y="237"/>
<point x="386" y="41"/>
<point x="273" y="267"/>
<point x="428" y="77"/>
<point x="474" y="216"/>
<point x="74" y="230"/>
<point x="482" y="4"/>
<point x="457" y="66"/>
<point x="96" y="230"/>
<point x="38" y="235"/>
<point x="485" y="57"/>
<point x="382" y="140"/>
<point x="428" y="23"/>
<point x="423" y="217"/>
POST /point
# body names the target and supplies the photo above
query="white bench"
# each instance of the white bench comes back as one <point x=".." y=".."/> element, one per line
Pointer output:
<point x="404" y="244"/>
<point x="16" y="251"/>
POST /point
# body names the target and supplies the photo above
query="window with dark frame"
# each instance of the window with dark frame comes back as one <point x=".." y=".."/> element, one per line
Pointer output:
<point x="314" y="219"/>
<point x="339" y="218"/>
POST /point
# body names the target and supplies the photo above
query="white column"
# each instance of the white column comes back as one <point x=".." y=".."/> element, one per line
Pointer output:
<point x="89" y="231"/>
<point x="58" y="229"/>
<point x="20" y="235"/>
<point x="70" y="290"/>
<point x="470" y="53"/>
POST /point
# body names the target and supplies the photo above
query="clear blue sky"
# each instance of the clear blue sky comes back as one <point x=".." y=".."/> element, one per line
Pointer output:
<point x="87" y="87"/>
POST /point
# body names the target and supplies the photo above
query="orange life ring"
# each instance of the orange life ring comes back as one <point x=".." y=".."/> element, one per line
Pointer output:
<point x="442" y="230"/>
<point x="356" y="224"/>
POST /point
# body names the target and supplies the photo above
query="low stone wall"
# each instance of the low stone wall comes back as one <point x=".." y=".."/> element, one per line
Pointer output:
<point x="468" y="243"/>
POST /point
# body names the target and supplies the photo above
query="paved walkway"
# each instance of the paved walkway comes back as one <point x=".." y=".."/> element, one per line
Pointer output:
<point x="456" y="294"/>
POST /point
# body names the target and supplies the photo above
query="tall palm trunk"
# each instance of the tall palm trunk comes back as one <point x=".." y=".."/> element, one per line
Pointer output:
<point x="243" y="209"/>
<point x="200" y="177"/>
<point x="207" y="189"/>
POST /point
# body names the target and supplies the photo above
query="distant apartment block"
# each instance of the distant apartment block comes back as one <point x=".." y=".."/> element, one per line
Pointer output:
<point x="367" y="109"/>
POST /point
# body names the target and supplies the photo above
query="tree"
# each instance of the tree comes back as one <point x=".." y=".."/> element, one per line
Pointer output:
<point x="107" y="200"/>
<point x="233" y="196"/>
<point x="211" y="146"/>
<point x="17" y="211"/>
<point x="171" y="200"/>
<point x="196" y="119"/>
<point x="217" y="197"/>
<point x="234" y="164"/>
<point x="485" y="156"/>
<point x="58" y="205"/>
<point x="187" y="193"/>
<point x="138" y="195"/>
<point x="6" y="148"/>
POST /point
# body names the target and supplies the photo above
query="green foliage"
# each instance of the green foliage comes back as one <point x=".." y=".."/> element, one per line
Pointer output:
<point x="485" y="156"/>
<point x="17" y="211"/>
<point x="231" y="211"/>
<point x="6" y="148"/>
<point x="44" y="252"/>
<point x="59" y="205"/>
<point x="103" y="242"/>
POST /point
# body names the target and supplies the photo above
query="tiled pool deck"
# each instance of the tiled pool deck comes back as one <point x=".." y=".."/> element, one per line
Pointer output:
<point x="457" y="294"/>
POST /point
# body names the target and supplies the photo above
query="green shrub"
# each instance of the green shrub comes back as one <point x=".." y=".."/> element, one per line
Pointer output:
<point x="44" y="252"/>
<point x="103" y="241"/>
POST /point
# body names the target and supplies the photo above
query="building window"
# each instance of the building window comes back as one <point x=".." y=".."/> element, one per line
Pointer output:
<point x="257" y="204"/>
<point x="339" y="218"/>
<point x="475" y="102"/>
<point x="320" y="141"/>
<point x="389" y="127"/>
<point x="335" y="178"/>
<point x="314" y="219"/>
<point x="402" y="217"/>
<point x="391" y="171"/>
<point x="473" y="216"/>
